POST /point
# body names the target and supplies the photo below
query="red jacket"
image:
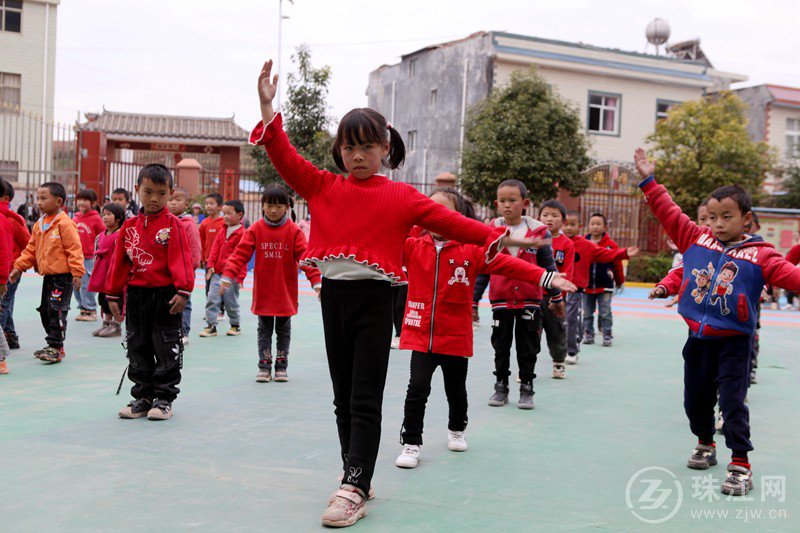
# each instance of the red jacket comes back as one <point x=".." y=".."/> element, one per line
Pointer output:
<point x="604" y="275"/>
<point x="586" y="253"/>
<point x="564" y="255"/>
<point x="6" y="249"/>
<point x="103" y="254"/>
<point x="193" y="234"/>
<point x="209" y="229"/>
<point x="151" y="251"/>
<point x="438" y="315"/>
<point x="508" y="293"/>
<point x="19" y="230"/>
<point x="279" y="249"/>
<point x="90" y="226"/>
<point x="793" y="255"/>
<point x="223" y="247"/>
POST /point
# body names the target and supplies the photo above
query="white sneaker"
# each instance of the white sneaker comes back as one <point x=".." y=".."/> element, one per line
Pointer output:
<point x="409" y="457"/>
<point x="571" y="359"/>
<point x="395" y="343"/>
<point x="456" y="441"/>
<point x="559" y="371"/>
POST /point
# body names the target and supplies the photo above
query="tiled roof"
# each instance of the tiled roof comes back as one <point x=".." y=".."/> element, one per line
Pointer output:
<point x="786" y="95"/>
<point x="167" y="127"/>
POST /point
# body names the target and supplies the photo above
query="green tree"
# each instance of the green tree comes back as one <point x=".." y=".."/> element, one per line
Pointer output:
<point x="703" y="144"/>
<point x="791" y="188"/>
<point x="524" y="131"/>
<point x="305" y="117"/>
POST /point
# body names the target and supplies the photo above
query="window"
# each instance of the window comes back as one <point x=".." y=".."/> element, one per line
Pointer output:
<point x="793" y="138"/>
<point x="604" y="112"/>
<point x="11" y="15"/>
<point x="10" y="86"/>
<point x="412" y="67"/>
<point x="663" y="107"/>
<point x="412" y="141"/>
<point x="434" y="94"/>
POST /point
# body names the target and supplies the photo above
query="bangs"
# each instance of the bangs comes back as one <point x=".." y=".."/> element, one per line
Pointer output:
<point x="359" y="128"/>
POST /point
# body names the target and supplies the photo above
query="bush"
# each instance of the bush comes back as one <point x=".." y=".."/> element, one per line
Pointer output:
<point x="649" y="268"/>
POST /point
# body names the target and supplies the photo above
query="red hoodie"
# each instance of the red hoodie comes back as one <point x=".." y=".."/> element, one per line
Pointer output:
<point x="586" y="253"/>
<point x="224" y="246"/>
<point x="6" y="249"/>
<point x="604" y="275"/>
<point x="209" y="229"/>
<point x="19" y="230"/>
<point x="193" y="234"/>
<point x="151" y="251"/>
<point x="564" y="255"/>
<point x="793" y="255"/>
<point x="438" y="316"/>
<point x="279" y="249"/>
<point x="90" y="226"/>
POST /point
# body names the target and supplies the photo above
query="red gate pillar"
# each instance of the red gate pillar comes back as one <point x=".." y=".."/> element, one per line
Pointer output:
<point x="92" y="152"/>
<point x="188" y="176"/>
<point x="229" y="172"/>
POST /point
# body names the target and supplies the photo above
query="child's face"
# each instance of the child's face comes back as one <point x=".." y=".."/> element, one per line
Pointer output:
<point x="510" y="204"/>
<point x="726" y="219"/>
<point x="727" y="275"/>
<point x="702" y="215"/>
<point x="571" y="226"/>
<point x="154" y="196"/>
<point x="84" y="205"/>
<point x="212" y="207"/>
<point x="230" y="216"/>
<point x="178" y="203"/>
<point x="552" y="218"/>
<point x="47" y="202"/>
<point x="109" y="220"/>
<point x="597" y="226"/>
<point x="363" y="160"/>
<point x="119" y="199"/>
<point x="446" y="201"/>
<point x="274" y="212"/>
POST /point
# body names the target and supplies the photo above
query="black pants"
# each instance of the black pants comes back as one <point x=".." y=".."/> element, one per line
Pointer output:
<point x="103" y="301"/>
<point x="155" y="350"/>
<point x="525" y="327"/>
<point x="282" y="325"/>
<point x="556" y="330"/>
<point x="357" y="318"/>
<point x="399" y="295"/>
<point x="54" y="306"/>
<point x="711" y="365"/>
<point x="423" y="365"/>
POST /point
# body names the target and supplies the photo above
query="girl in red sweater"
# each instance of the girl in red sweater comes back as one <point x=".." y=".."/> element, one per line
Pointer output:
<point x="278" y="243"/>
<point x="360" y="224"/>
<point x="440" y="278"/>
<point x="113" y="218"/>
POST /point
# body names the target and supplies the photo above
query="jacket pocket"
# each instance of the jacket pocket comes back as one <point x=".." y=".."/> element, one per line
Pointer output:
<point x="742" y="309"/>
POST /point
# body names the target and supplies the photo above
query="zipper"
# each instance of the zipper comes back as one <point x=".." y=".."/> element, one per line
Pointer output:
<point x="435" y="290"/>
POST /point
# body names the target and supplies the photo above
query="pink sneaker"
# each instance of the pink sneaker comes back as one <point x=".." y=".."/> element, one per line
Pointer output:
<point x="348" y="508"/>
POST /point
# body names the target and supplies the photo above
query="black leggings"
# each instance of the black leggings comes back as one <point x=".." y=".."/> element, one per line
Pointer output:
<point x="282" y="325"/>
<point x="357" y="318"/>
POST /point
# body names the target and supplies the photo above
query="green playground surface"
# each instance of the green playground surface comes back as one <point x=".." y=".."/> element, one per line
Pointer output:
<point x="604" y="449"/>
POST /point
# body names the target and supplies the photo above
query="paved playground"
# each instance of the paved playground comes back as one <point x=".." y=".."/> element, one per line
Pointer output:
<point x="244" y="456"/>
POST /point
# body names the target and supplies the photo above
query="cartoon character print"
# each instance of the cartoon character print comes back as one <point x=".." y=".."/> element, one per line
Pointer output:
<point x="459" y="273"/>
<point x="162" y="237"/>
<point x="703" y="280"/>
<point x="723" y="286"/>
<point x="138" y="256"/>
<point x="559" y="257"/>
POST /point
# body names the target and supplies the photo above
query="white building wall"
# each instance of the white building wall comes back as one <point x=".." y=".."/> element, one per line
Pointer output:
<point x="776" y="128"/>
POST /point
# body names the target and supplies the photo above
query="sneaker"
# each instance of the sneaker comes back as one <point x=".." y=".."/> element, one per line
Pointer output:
<point x="348" y="507"/>
<point x="264" y="375"/>
<point x="456" y="441"/>
<point x="606" y="340"/>
<point x="135" y="409"/>
<point x="395" y="345"/>
<point x="51" y="354"/>
<point x="280" y="376"/>
<point x="86" y="316"/>
<point x="96" y="332"/>
<point x="185" y="340"/>
<point x="114" y="329"/>
<point x="739" y="480"/>
<point x="703" y="456"/>
<point x="13" y="341"/>
<point x="719" y="423"/>
<point x="209" y="331"/>
<point x="588" y="338"/>
<point x="409" y="457"/>
<point x="332" y="497"/>
<point x="500" y="396"/>
<point x="3" y="368"/>
<point x="476" y="317"/>
<point x="559" y="371"/>
<point x="525" y="396"/>
<point x="234" y="331"/>
<point x="519" y="379"/>
<point x="161" y="410"/>
<point x="571" y="359"/>
<point x="39" y="353"/>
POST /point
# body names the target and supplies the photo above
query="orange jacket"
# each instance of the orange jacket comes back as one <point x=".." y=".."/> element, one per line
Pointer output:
<point x="55" y="251"/>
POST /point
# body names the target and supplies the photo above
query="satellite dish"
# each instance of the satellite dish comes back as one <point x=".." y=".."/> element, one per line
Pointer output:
<point x="657" y="32"/>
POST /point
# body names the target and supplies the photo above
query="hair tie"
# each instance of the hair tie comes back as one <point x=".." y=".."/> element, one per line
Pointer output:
<point x="389" y="126"/>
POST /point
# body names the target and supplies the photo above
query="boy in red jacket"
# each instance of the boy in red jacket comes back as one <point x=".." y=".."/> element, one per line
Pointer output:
<point x="224" y="246"/>
<point x="90" y="225"/>
<point x="586" y="252"/>
<point x="19" y="240"/>
<point x="210" y="227"/>
<point x="179" y="206"/>
<point x="152" y="259"/>
<point x="603" y="278"/>
<point x="552" y="213"/>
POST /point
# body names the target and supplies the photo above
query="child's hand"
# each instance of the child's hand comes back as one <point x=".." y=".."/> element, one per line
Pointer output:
<point x="658" y="292"/>
<point x="643" y="164"/>
<point x="14" y="276"/>
<point x="113" y="306"/>
<point x="563" y="284"/>
<point x="76" y="283"/>
<point x="632" y="251"/>
<point x="209" y="273"/>
<point x="2" y="290"/>
<point x="267" y="91"/>
<point x="558" y="308"/>
<point x="318" y="290"/>
<point x="223" y="286"/>
<point x="178" y="302"/>
<point x="672" y="302"/>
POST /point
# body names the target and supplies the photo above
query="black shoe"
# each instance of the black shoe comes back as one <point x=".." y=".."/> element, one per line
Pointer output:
<point x="526" y="396"/>
<point x="500" y="396"/>
<point x="13" y="341"/>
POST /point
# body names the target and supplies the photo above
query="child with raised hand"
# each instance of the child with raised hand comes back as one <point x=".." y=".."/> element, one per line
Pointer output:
<point x="440" y="278"/>
<point x="224" y="245"/>
<point x="279" y="244"/>
<point x="604" y="277"/>
<point x="20" y="237"/>
<point x="178" y="205"/>
<point x="152" y="266"/>
<point x="90" y="225"/>
<point x="360" y="224"/>
<point x="55" y="252"/>
<point x="113" y="218"/>
<point x="720" y="312"/>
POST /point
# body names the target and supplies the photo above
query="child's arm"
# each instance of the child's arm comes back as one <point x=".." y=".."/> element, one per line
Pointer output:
<point x="213" y="255"/>
<point x="569" y="262"/>
<point x="598" y="254"/>
<point x="239" y="259"/>
<point x="670" y="285"/>
<point x="313" y="275"/>
<point x="515" y="268"/>
<point x="71" y="241"/>
<point x="793" y="256"/>
<point x="781" y="273"/>
<point x="120" y="267"/>
<point x="680" y="228"/>
<point x="545" y="259"/>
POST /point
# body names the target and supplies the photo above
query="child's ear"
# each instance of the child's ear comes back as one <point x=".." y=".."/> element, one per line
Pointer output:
<point x="748" y="219"/>
<point x="136" y="189"/>
<point x="526" y="203"/>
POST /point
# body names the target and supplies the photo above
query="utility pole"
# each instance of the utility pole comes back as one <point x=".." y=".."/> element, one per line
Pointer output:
<point x="280" y="43"/>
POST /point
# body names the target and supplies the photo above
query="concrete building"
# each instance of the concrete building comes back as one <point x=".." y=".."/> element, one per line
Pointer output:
<point x="619" y="95"/>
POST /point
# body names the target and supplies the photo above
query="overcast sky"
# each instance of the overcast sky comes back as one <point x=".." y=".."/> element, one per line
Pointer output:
<point x="200" y="57"/>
